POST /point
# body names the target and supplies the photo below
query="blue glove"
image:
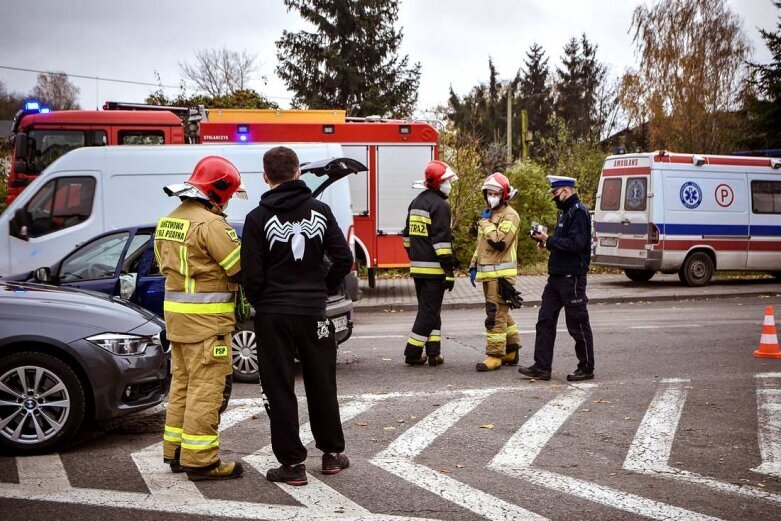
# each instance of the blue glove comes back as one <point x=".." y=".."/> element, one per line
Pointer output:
<point x="473" y="276"/>
<point x="486" y="214"/>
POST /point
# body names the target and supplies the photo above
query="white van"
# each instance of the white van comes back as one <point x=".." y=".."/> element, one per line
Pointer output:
<point x="690" y="214"/>
<point x="92" y="190"/>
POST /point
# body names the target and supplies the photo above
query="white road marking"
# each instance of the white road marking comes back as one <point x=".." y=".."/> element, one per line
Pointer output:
<point x="42" y="472"/>
<point x="652" y="445"/>
<point x="769" y="423"/>
<point x="372" y="337"/>
<point x="397" y="459"/>
<point x="518" y="454"/>
<point x="667" y="326"/>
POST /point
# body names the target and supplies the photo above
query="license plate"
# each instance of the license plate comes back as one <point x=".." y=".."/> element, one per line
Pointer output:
<point x="608" y="242"/>
<point x="340" y="323"/>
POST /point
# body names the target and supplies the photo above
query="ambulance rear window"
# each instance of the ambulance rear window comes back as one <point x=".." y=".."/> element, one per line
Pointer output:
<point x="766" y="196"/>
<point x="611" y="194"/>
<point x="634" y="199"/>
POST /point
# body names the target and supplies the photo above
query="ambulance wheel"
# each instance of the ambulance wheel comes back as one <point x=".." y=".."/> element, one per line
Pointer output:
<point x="697" y="269"/>
<point x="372" y="277"/>
<point x="639" y="275"/>
<point x="244" y="350"/>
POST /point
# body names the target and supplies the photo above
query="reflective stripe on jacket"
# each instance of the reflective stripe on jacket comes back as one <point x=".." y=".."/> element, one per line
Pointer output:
<point x="427" y="236"/>
<point x="496" y="254"/>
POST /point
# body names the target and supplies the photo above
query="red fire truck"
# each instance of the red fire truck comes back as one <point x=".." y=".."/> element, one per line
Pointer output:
<point x="40" y="136"/>
<point x="395" y="151"/>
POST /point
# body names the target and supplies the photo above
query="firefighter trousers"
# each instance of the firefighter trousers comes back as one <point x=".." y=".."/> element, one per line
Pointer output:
<point x="199" y="393"/>
<point x="426" y="331"/>
<point x="281" y="337"/>
<point x="501" y="332"/>
<point x="569" y="292"/>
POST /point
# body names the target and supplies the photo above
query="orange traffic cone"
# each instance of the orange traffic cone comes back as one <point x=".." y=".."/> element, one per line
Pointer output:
<point x="768" y="342"/>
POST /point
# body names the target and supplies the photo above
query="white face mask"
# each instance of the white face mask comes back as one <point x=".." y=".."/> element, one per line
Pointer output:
<point x="494" y="200"/>
<point x="445" y="187"/>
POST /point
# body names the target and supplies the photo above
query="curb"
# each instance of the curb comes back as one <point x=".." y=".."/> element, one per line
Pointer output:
<point x="374" y="308"/>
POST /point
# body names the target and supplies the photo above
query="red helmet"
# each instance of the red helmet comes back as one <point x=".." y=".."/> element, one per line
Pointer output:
<point x="437" y="173"/>
<point x="217" y="178"/>
<point x="499" y="183"/>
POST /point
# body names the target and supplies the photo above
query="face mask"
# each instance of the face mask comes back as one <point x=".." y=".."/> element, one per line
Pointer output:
<point x="445" y="187"/>
<point x="494" y="201"/>
<point x="559" y="203"/>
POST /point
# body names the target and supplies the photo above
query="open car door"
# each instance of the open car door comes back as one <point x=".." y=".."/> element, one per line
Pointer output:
<point x="330" y="171"/>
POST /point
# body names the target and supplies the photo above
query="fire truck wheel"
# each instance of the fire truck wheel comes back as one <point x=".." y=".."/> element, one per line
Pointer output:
<point x="372" y="277"/>
<point x="697" y="269"/>
<point x="639" y="275"/>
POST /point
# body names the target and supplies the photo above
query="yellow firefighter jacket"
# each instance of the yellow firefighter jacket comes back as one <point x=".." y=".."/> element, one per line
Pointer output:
<point x="197" y="251"/>
<point x="497" y="240"/>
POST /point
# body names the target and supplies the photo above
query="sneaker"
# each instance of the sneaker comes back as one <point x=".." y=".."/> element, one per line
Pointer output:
<point x="579" y="375"/>
<point x="534" y="372"/>
<point x="415" y="360"/>
<point x="225" y="470"/>
<point x="436" y="360"/>
<point x="334" y="463"/>
<point x="291" y="474"/>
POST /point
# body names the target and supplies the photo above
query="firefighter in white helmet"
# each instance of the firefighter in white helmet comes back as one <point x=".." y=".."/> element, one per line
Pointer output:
<point x="428" y="240"/>
<point x="198" y="252"/>
<point x="495" y="264"/>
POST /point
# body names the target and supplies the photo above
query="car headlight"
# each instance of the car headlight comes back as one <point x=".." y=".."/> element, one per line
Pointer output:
<point x="122" y="343"/>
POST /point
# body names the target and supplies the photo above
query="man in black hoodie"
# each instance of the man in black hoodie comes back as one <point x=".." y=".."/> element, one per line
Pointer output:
<point x="282" y="259"/>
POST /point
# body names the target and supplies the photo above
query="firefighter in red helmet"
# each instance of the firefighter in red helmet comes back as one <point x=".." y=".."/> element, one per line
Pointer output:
<point x="428" y="241"/>
<point x="198" y="252"/>
<point x="495" y="264"/>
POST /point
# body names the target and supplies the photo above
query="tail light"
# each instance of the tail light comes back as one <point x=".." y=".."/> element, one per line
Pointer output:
<point x="653" y="234"/>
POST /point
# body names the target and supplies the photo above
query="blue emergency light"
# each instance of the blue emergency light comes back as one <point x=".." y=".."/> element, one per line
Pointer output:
<point x="45" y="110"/>
<point x="32" y="105"/>
<point x="242" y="130"/>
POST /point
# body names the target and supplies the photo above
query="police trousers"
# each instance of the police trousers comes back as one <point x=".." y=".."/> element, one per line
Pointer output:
<point x="280" y="339"/>
<point x="501" y="332"/>
<point x="426" y="331"/>
<point x="199" y="393"/>
<point x="568" y="292"/>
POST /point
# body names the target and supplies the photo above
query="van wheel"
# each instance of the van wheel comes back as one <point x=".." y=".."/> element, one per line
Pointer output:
<point x="42" y="402"/>
<point x="244" y="352"/>
<point x="639" y="275"/>
<point x="697" y="269"/>
<point x="372" y="277"/>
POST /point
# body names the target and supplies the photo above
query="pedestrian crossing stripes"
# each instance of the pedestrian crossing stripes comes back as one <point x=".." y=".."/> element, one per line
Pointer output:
<point x="45" y="478"/>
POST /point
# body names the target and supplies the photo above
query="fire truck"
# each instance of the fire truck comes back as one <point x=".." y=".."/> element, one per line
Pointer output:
<point x="395" y="151"/>
<point x="40" y="135"/>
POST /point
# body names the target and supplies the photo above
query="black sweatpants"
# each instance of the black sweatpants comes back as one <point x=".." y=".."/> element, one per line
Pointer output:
<point x="279" y="338"/>
<point x="569" y="292"/>
<point x="426" y="331"/>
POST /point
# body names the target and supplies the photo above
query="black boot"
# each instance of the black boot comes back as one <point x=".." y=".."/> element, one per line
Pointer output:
<point x="579" y="375"/>
<point x="534" y="372"/>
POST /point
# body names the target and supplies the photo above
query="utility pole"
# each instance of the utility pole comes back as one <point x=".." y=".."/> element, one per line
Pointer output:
<point x="509" y="127"/>
<point x="524" y="135"/>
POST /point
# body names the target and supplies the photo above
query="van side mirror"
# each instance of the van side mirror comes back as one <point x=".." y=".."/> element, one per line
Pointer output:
<point x="19" y="226"/>
<point x="43" y="275"/>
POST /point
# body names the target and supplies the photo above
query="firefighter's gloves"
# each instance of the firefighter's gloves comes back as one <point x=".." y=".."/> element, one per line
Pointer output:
<point x="450" y="281"/>
<point x="487" y="213"/>
<point x="473" y="276"/>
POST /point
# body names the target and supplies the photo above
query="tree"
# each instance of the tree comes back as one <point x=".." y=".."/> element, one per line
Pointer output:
<point x="351" y="60"/>
<point x="691" y="68"/>
<point x="10" y="103"/>
<point x="763" y="97"/>
<point x="535" y="93"/>
<point x="56" y="91"/>
<point x="240" y="99"/>
<point x="220" y="72"/>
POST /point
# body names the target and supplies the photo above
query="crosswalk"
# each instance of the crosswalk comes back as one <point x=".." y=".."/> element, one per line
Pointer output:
<point x="407" y="458"/>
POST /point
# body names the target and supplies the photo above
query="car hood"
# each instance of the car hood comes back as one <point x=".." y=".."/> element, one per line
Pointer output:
<point x="93" y="312"/>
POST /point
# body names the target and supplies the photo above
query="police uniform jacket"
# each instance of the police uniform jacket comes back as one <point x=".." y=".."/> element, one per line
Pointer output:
<point x="427" y="236"/>
<point x="570" y="243"/>
<point x="496" y="255"/>
<point x="197" y="251"/>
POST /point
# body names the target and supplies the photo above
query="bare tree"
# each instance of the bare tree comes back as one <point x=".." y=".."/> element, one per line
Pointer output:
<point x="220" y="72"/>
<point x="56" y="91"/>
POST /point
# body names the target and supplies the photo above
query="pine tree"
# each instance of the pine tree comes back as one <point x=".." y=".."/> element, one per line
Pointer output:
<point x="535" y="93"/>
<point x="351" y="61"/>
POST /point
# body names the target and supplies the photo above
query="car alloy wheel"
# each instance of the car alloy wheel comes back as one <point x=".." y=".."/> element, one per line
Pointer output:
<point x="244" y="350"/>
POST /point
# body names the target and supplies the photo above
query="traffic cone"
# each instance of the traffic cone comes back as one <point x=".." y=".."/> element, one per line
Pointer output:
<point x="768" y="342"/>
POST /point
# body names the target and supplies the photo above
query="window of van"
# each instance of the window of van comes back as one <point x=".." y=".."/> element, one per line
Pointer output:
<point x="634" y="198"/>
<point x="47" y="145"/>
<point x="60" y="203"/>
<point x="766" y="196"/>
<point x="611" y="194"/>
<point x="141" y="137"/>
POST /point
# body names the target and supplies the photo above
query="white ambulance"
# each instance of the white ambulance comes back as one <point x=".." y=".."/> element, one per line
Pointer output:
<point x="690" y="214"/>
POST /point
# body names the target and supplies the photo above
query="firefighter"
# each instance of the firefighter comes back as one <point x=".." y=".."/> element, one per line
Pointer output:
<point x="198" y="252"/>
<point x="427" y="239"/>
<point x="495" y="264"/>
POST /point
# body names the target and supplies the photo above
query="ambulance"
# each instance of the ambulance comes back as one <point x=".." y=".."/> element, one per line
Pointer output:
<point x="688" y="214"/>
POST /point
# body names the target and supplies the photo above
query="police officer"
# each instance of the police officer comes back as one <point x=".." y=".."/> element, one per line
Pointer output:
<point x="495" y="263"/>
<point x="198" y="252"/>
<point x="570" y="255"/>
<point x="428" y="241"/>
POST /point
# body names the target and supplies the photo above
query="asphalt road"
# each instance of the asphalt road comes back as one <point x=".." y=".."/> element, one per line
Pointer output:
<point x="682" y="422"/>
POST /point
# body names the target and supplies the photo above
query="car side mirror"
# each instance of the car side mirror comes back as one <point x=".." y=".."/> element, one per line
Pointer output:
<point x="20" y="146"/>
<point x="43" y="275"/>
<point x="19" y="225"/>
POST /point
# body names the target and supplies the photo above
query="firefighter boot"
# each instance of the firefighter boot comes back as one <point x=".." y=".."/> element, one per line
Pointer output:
<point x="436" y="360"/>
<point x="224" y="470"/>
<point x="412" y="360"/>
<point x="491" y="363"/>
<point x="176" y="467"/>
<point x="511" y="358"/>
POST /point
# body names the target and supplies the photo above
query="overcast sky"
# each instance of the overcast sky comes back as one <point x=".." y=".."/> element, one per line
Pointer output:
<point x="452" y="39"/>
